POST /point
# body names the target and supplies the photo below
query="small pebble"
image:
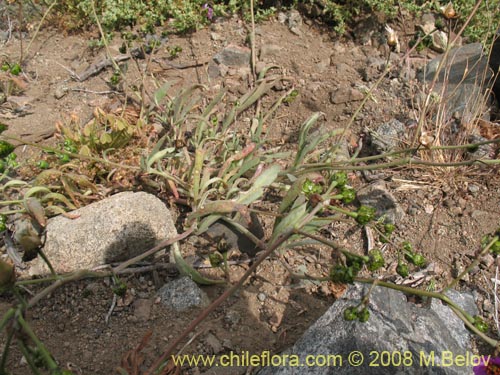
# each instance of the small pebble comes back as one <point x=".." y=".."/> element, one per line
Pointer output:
<point x="232" y="317"/>
<point x="60" y="92"/>
<point x="473" y="189"/>
<point x="488" y="306"/>
<point x="488" y="260"/>
<point x="262" y="297"/>
<point x="412" y="210"/>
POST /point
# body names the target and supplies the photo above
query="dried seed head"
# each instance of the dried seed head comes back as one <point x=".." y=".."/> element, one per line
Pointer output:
<point x="448" y="11"/>
<point x="392" y="37"/>
<point x="426" y="139"/>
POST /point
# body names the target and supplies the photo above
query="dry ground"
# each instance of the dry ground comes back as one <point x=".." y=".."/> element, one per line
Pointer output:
<point x="445" y="218"/>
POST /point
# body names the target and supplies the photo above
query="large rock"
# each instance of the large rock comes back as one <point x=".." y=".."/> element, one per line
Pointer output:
<point x="461" y="80"/>
<point x="233" y="56"/>
<point x="495" y="65"/>
<point x="112" y="230"/>
<point x="396" y="327"/>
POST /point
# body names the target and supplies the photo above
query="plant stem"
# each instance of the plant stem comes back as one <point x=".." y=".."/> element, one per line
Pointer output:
<point x="41" y="348"/>
<point x="272" y="247"/>
<point x="47" y="262"/>
<point x="252" y="39"/>
<point x="28" y="356"/>
<point x="5" y="353"/>
<point x="6" y="317"/>
<point x="168" y="352"/>
<point x="153" y="250"/>
<point x="78" y="275"/>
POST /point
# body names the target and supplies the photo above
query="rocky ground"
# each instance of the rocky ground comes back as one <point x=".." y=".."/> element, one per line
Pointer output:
<point x="442" y="212"/>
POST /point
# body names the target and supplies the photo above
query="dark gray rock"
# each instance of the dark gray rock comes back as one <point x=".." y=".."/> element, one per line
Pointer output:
<point x="182" y="294"/>
<point x="463" y="64"/>
<point x="112" y="230"/>
<point x="494" y="63"/>
<point x="461" y="81"/>
<point x="233" y="56"/>
<point x="395" y="326"/>
<point x="377" y="195"/>
<point x="388" y="136"/>
<point x="235" y="239"/>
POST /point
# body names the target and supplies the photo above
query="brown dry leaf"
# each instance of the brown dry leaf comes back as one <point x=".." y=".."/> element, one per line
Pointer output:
<point x="36" y="210"/>
<point x="426" y="139"/>
<point x="133" y="359"/>
<point x="337" y="290"/>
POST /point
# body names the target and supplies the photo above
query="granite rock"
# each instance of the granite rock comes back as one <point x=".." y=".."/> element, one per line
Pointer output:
<point x="112" y="230"/>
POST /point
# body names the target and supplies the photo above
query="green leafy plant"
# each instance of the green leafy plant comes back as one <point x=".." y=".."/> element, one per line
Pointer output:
<point x="12" y="68"/>
<point x="174" y="51"/>
<point x="106" y="131"/>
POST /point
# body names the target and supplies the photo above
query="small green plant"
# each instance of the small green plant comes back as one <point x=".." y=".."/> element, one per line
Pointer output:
<point x="7" y="155"/>
<point x="174" y="51"/>
<point x="12" y="68"/>
<point x="106" y="131"/>
<point x="96" y="44"/>
<point x="291" y="97"/>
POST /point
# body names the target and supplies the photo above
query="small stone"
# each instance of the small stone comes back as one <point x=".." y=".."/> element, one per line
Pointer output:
<point x="217" y="27"/>
<point x="388" y="135"/>
<point x="294" y="22"/>
<point x="60" y="92"/>
<point x="429" y="209"/>
<point x="462" y="203"/>
<point x="478" y="214"/>
<point x="282" y="17"/>
<point x="182" y="294"/>
<point x="488" y="260"/>
<point x="261" y="297"/>
<point x="215" y="37"/>
<point x="473" y="189"/>
<point x="412" y="210"/>
<point x="213" y="70"/>
<point x="232" y="317"/>
<point x="458" y="268"/>
<point x="345" y="95"/>
<point x="488" y="306"/>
